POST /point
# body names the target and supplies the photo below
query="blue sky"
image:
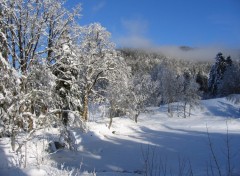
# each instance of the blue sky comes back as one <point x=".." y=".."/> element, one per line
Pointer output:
<point x="145" y="23"/>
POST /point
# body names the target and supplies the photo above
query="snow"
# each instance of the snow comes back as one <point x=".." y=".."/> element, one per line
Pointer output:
<point x="122" y="149"/>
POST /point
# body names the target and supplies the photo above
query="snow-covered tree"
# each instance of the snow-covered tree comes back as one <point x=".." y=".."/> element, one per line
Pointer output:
<point x="189" y="94"/>
<point x="202" y="80"/>
<point x="66" y="68"/>
<point x="98" y="57"/>
<point x="170" y="87"/>
<point x="9" y="100"/>
<point x="217" y="72"/>
<point x="231" y="80"/>
<point x="40" y="85"/>
<point x="60" y="22"/>
<point x="117" y="91"/>
<point x="141" y="89"/>
<point x="32" y="34"/>
<point x="33" y="29"/>
<point x="173" y="86"/>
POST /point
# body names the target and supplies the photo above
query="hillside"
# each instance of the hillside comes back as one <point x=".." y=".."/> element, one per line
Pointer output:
<point x="157" y="143"/>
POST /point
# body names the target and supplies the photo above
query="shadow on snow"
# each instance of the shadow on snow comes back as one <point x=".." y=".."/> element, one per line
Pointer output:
<point x="124" y="153"/>
<point x="7" y="166"/>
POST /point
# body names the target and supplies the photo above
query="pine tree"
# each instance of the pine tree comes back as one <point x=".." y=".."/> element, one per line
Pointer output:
<point x="231" y="80"/>
<point x="217" y="72"/>
<point x="66" y="69"/>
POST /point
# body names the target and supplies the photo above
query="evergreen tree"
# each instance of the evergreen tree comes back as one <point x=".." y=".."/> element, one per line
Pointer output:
<point x="66" y="70"/>
<point x="217" y="72"/>
<point x="202" y="80"/>
<point x="231" y="80"/>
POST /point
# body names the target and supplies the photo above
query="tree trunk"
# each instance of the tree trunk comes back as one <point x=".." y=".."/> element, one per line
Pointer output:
<point x="25" y="159"/>
<point x="13" y="139"/>
<point x="178" y="109"/>
<point x="189" y="112"/>
<point x="184" y="109"/>
<point x="169" y="108"/>
<point x="136" y="116"/>
<point x="85" y="107"/>
<point x="110" y="122"/>
<point x="111" y="117"/>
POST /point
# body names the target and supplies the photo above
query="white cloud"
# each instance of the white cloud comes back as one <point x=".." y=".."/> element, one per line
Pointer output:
<point x="205" y="53"/>
<point x="135" y="37"/>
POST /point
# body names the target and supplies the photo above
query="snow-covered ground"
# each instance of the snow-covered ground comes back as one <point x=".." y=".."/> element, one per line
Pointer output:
<point x="157" y="143"/>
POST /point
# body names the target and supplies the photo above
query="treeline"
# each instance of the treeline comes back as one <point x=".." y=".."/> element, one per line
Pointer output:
<point x="171" y="80"/>
<point x="183" y="81"/>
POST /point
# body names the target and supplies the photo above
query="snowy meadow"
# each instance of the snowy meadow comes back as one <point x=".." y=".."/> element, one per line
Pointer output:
<point x="156" y="145"/>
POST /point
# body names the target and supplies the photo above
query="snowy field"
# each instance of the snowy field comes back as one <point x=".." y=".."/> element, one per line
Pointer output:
<point x="156" y="145"/>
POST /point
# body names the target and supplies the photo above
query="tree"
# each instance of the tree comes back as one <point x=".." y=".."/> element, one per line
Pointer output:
<point x="60" y="22"/>
<point x="9" y="101"/>
<point x="189" y="92"/>
<point x="40" y="84"/>
<point x="141" y="88"/>
<point x="98" y="58"/>
<point x="9" y="87"/>
<point x="32" y="33"/>
<point x="66" y="69"/>
<point x="231" y="80"/>
<point x="217" y="72"/>
<point x="33" y="29"/>
<point x="170" y="87"/>
<point x="118" y="91"/>
<point x="202" y="80"/>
